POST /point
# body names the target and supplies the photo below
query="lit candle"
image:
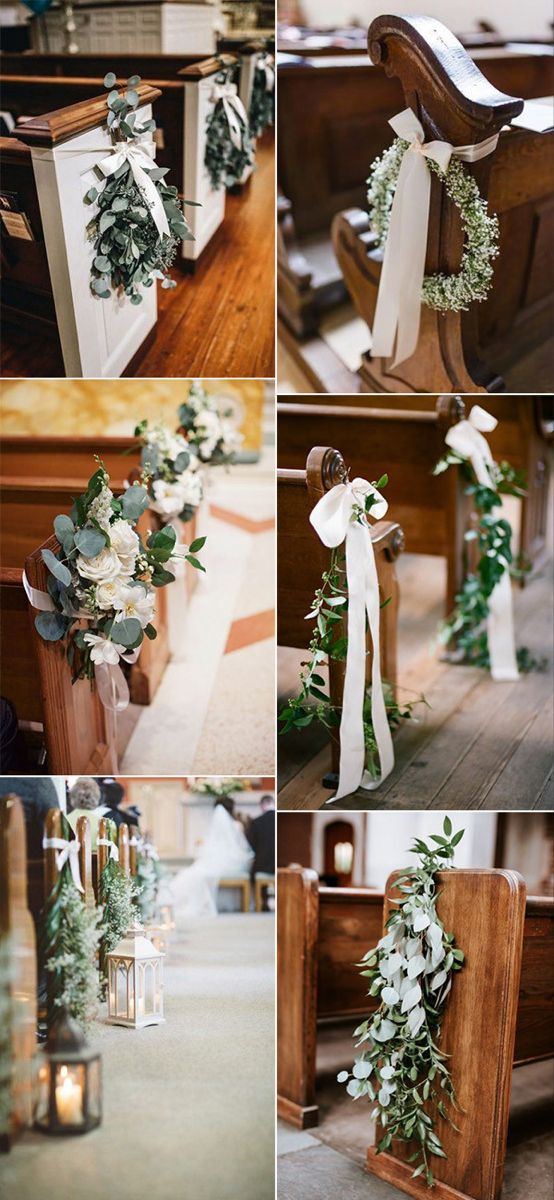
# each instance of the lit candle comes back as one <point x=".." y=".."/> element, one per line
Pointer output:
<point x="69" y="1100"/>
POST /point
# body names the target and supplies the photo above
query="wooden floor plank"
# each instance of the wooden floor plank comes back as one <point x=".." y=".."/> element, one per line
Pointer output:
<point x="523" y="776"/>
<point x="220" y="323"/>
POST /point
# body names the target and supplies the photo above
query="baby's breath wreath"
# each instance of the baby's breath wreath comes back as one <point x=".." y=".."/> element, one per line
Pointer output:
<point x="446" y="293"/>
<point x="400" y="1067"/>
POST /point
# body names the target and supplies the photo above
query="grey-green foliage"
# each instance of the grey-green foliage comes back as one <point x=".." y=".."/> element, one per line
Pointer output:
<point x="225" y="163"/>
<point x="262" y="104"/>
<point x="129" y="251"/>
<point x="71" y="961"/>
<point x="400" y="1067"/>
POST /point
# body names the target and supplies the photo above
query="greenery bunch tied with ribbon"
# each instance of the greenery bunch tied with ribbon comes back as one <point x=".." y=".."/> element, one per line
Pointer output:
<point x="262" y="102"/>
<point x="329" y="642"/>
<point x="147" y="881"/>
<point x="400" y="1067"/>
<point x="172" y="467"/>
<point x="68" y="945"/>
<point x="229" y="144"/>
<point x="117" y="895"/>
<point x="446" y="293"/>
<point x="139" y="221"/>
<point x="209" y="428"/>
<point x="105" y="576"/>
<point x="466" y="626"/>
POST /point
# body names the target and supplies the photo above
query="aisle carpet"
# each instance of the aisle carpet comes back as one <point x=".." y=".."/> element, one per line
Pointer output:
<point x="189" y="1105"/>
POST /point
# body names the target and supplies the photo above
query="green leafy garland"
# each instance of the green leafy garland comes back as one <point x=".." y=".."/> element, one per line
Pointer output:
<point x="400" y="1067"/>
<point x="329" y="641"/>
<point x="262" y="103"/>
<point x="147" y="881"/>
<point x="68" y="943"/>
<point x="224" y="162"/>
<point x="129" y="252"/>
<point x="466" y="625"/>
<point x="117" y="895"/>
<point x="446" y="293"/>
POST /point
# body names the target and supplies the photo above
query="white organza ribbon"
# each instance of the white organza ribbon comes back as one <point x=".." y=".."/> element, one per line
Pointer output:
<point x="332" y="521"/>
<point x="397" y="315"/>
<point x="114" y="851"/>
<point x="466" y="438"/>
<point x="68" y="853"/>
<point x="139" y="155"/>
<point x="266" y="64"/>
<point x="226" y="94"/>
<point x="110" y="680"/>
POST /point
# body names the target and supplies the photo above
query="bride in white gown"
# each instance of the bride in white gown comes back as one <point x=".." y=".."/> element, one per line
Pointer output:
<point x="224" y="853"/>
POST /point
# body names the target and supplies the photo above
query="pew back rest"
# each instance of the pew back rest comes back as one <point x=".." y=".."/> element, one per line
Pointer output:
<point x="29" y="506"/>
<point x="350" y="923"/>
<point x="24" y="260"/>
<point x="16" y="924"/>
<point x="46" y="457"/>
<point x="18" y="659"/>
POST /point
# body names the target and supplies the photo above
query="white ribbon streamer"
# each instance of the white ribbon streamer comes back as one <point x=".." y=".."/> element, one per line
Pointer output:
<point x="139" y="155"/>
<point x="265" y="63"/>
<point x="466" y="438"/>
<point x="226" y="94"/>
<point x="332" y="519"/>
<point x="397" y="314"/>
<point x="68" y="853"/>
<point x="114" y="851"/>
<point x="111" y="682"/>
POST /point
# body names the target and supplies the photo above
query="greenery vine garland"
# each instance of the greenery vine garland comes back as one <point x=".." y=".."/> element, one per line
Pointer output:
<point x="446" y="293"/>
<point x="224" y="162"/>
<point x="262" y="103"/>
<point x="466" y="626"/>
<point x="129" y="252"/>
<point x="147" y="882"/>
<point x="329" y="641"/>
<point x="68" y="944"/>
<point x="401" y="1068"/>
<point x="117" y="895"/>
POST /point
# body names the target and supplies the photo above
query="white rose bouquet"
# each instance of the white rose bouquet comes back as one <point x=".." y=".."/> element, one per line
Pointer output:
<point x="207" y="427"/>
<point x="175" y="484"/>
<point x="103" y="575"/>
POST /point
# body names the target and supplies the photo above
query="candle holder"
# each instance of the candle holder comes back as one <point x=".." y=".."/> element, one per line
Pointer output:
<point x="166" y="916"/>
<point x="158" y="935"/>
<point x="69" y="1082"/>
<point x="135" y="981"/>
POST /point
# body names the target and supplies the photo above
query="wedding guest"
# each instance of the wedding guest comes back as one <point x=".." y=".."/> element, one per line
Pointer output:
<point x="37" y="794"/>
<point x="112" y="795"/>
<point x="13" y="752"/>
<point x="85" y="800"/>
<point x="261" y="836"/>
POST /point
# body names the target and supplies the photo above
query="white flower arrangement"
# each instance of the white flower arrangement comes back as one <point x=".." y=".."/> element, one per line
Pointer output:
<point x="446" y="293"/>
<point x="171" y="463"/>
<point x="213" y="786"/>
<point x="210" y="429"/>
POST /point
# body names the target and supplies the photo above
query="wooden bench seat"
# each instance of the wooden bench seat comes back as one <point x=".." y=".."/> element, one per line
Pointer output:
<point x="238" y="883"/>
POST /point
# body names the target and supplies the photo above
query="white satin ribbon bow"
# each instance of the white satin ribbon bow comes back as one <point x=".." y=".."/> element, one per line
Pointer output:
<point x="114" y="851"/>
<point x="397" y="315"/>
<point x="110" y="680"/>
<point x="139" y="155"/>
<point x="226" y="94"/>
<point x="332" y="519"/>
<point x="68" y="853"/>
<point x="466" y="438"/>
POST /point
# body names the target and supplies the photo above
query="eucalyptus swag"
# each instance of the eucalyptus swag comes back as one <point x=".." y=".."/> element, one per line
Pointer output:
<point x="172" y="468"/>
<point x="209" y="428"/>
<point x="130" y="252"/>
<point x="147" y="881"/>
<point x="401" y="1068"/>
<point x="262" y="102"/>
<point x="226" y="163"/>
<point x="466" y="626"/>
<point x="446" y="293"/>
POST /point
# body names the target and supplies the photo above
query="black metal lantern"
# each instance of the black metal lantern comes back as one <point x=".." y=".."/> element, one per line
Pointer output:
<point x="69" y="1081"/>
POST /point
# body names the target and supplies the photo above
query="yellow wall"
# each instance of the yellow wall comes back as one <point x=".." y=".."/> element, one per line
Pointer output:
<point x="114" y="406"/>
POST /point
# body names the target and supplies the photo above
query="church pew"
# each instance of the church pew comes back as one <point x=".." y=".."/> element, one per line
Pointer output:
<point x="99" y="338"/>
<point x="458" y="351"/>
<point x="333" y="121"/>
<point x="29" y="507"/>
<point x="508" y="940"/>
<point x="302" y="557"/>
<point x="431" y="510"/>
<point x="182" y="107"/>
<point x="19" y="984"/>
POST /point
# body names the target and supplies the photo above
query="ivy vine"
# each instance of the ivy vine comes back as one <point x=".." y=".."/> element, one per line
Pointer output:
<point x="401" y="1068"/>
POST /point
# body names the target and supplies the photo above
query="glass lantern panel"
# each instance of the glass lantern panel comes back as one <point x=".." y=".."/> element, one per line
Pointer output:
<point x="149" y="989"/>
<point x="112" y="988"/>
<point x="43" y="1094"/>
<point x="94" y="1090"/>
<point x="122" y="1003"/>
<point x="139" y="974"/>
<point x="157" y="987"/>
<point x="70" y="1092"/>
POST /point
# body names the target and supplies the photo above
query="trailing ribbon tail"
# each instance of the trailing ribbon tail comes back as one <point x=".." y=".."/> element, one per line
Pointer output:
<point x="139" y="155"/>
<point x="466" y="438"/>
<point x="332" y="520"/>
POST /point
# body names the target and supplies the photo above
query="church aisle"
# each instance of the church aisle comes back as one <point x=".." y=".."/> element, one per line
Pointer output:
<point x="189" y="1105"/>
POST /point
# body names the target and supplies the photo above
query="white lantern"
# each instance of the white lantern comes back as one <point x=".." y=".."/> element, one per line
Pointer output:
<point x="166" y="916"/>
<point x="135" y="981"/>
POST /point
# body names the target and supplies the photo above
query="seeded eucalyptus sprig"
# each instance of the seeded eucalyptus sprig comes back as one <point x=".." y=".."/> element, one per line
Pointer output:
<point x="401" y="1068"/>
<point x="129" y="252"/>
<point x="224" y="162"/>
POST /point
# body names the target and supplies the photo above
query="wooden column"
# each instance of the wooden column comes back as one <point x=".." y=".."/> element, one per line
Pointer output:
<point x="85" y="857"/>
<point x="486" y="911"/>
<point x="297" y="926"/>
<point x="123" y="844"/>
<point x="133" y="851"/>
<point x="103" y="851"/>
<point x="17" y="934"/>
<point x="53" y="829"/>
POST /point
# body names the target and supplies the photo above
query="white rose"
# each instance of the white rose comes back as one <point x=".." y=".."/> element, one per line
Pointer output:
<point x="169" y="498"/>
<point x="192" y="489"/>
<point x="137" y="602"/>
<point x="125" y="542"/>
<point x="102" y="568"/>
<point x="108" y="593"/>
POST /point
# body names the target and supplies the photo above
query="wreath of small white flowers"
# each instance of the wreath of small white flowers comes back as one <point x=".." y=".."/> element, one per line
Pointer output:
<point x="447" y="293"/>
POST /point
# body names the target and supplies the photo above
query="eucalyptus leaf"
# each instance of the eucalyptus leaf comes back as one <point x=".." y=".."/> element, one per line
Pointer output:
<point x="51" y="626"/>
<point x="90" y="542"/>
<point x="57" y="568"/>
